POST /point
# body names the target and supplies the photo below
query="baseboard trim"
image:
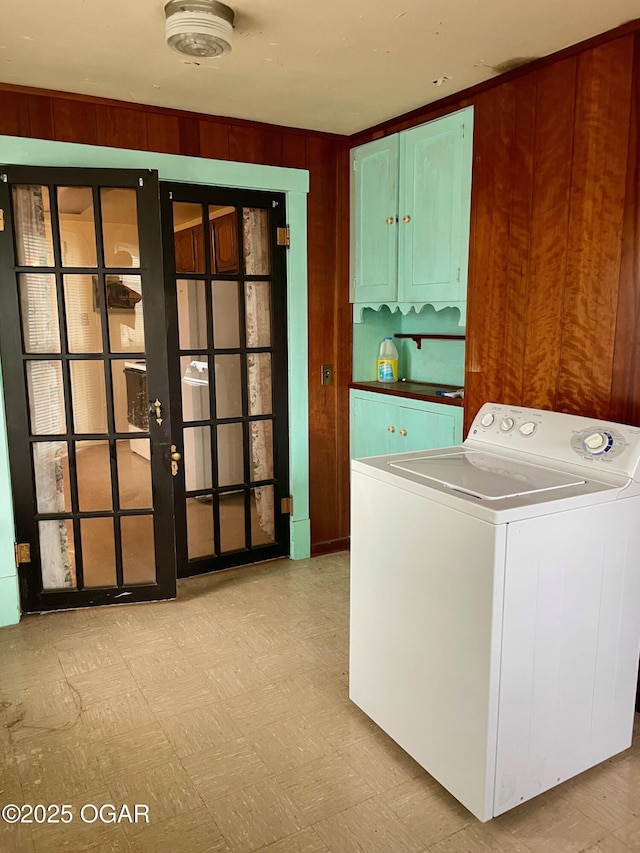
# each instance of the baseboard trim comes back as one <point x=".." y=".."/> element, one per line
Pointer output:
<point x="319" y="548"/>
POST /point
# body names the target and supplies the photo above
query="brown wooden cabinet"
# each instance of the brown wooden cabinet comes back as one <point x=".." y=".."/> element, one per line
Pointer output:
<point x="137" y="400"/>
<point x="224" y="242"/>
<point x="189" y="246"/>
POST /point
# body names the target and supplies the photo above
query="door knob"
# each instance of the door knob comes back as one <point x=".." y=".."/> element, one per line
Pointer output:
<point x="403" y="432"/>
<point x="391" y="429"/>
<point x="406" y="219"/>
<point x="389" y="220"/>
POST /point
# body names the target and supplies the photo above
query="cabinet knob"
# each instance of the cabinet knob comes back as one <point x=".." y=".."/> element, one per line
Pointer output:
<point x="406" y="219"/>
<point x="389" y="220"/>
<point x="403" y="432"/>
<point x="391" y="429"/>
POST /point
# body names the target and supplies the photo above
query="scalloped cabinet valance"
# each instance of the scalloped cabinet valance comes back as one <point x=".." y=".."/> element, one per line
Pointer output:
<point x="405" y="307"/>
<point x="410" y="209"/>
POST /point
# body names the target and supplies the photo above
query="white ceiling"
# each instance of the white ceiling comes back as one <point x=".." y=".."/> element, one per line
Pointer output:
<point x="332" y="65"/>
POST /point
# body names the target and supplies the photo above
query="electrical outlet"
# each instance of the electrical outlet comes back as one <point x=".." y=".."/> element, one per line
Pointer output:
<point x="327" y="374"/>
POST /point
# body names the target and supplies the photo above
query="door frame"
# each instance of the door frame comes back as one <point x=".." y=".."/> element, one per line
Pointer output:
<point x="294" y="183"/>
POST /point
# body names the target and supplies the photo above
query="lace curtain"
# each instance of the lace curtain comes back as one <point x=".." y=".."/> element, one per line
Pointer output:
<point x="255" y="225"/>
<point x="39" y="311"/>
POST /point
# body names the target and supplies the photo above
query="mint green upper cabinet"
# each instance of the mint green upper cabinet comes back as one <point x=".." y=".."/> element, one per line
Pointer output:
<point x="374" y="227"/>
<point x="410" y="209"/>
<point x="435" y="193"/>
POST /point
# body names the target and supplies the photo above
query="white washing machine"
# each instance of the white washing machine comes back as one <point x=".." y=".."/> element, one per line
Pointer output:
<point x="495" y="601"/>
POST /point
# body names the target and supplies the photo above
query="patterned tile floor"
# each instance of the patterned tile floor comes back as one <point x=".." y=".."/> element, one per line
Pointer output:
<point x="226" y="712"/>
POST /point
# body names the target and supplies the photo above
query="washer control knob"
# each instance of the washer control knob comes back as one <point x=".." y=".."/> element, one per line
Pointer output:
<point x="528" y="428"/>
<point x="487" y="419"/>
<point x="507" y="424"/>
<point x="596" y="442"/>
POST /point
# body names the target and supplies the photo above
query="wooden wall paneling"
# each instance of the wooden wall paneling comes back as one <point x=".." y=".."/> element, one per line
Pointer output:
<point x="294" y="150"/>
<point x="517" y="277"/>
<point x="271" y="147"/>
<point x="553" y="144"/>
<point x="214" y="140"/>
<point x="625" y="390"/>
<point x="40" y="111"/>
<point x="163" y="132"/>
<point x="75" y="121"/>
<point x="246" y="143"/>
<point x="598" y="180"/>
<point x="120" y="127"/>
<point x="343" y="341"/>
<point x="323" y="475"/>
<point x="189" y="134"/>
<point x="14" y="118"/>
<point x="494" y="121"/>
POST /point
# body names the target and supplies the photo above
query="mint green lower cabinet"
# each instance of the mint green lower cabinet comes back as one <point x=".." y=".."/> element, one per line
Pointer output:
<point x="371" y="425"/>
<point x="384" y="423"/>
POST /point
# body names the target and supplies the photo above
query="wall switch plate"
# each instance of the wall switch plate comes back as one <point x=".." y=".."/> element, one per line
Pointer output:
<point x="327" y="374"/>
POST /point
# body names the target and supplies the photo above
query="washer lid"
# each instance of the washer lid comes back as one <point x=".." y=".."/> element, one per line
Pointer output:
<point x="486" y="476"/>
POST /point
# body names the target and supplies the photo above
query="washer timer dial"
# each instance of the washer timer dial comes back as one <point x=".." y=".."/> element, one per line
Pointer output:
<point x="507" y="424"/>
<point x="597" y="443"/>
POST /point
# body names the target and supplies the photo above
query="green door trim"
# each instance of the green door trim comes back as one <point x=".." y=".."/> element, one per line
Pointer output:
<point x="174" y="167"/>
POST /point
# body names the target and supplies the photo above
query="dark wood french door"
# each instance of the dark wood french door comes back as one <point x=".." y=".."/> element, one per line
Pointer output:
<point x="227" y="338"/>
<point x="84" y="358"/>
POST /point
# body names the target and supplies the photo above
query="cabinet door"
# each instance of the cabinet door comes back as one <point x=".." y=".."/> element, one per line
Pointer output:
<point x="373" y="427"/>
<point x="224" y="237"/>
<point x="434" y="206"/>
<point x="374" y="202"/>
<point x="420" y="430"/>
<point x="189" y="248"/>
<point x="185" y="251"/>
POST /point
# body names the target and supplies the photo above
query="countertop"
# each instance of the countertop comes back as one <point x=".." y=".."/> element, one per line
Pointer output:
<point x="413" y="390"/>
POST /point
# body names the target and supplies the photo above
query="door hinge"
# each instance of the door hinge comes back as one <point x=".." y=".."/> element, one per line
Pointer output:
<point x="458" y="278"/>
<point x="355" y="165"/>
<point x="286" y="505"/>
<point x="462" y="131"/>
<point x="1" y="220"/>
<point x="283" y="236"/>
<point x="22" y="552"/>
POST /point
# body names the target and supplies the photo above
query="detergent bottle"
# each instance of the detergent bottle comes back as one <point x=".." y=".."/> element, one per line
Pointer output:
<point x="388" y="361"/>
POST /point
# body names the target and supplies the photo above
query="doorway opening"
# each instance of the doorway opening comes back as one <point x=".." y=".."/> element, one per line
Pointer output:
<point x="148" y="427"/>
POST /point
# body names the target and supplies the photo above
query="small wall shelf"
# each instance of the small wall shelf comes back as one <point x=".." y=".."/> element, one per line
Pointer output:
<point x="417" y="338"/>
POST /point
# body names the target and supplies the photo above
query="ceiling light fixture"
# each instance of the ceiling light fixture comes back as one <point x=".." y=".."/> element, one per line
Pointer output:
<point x="199" y="27"/>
